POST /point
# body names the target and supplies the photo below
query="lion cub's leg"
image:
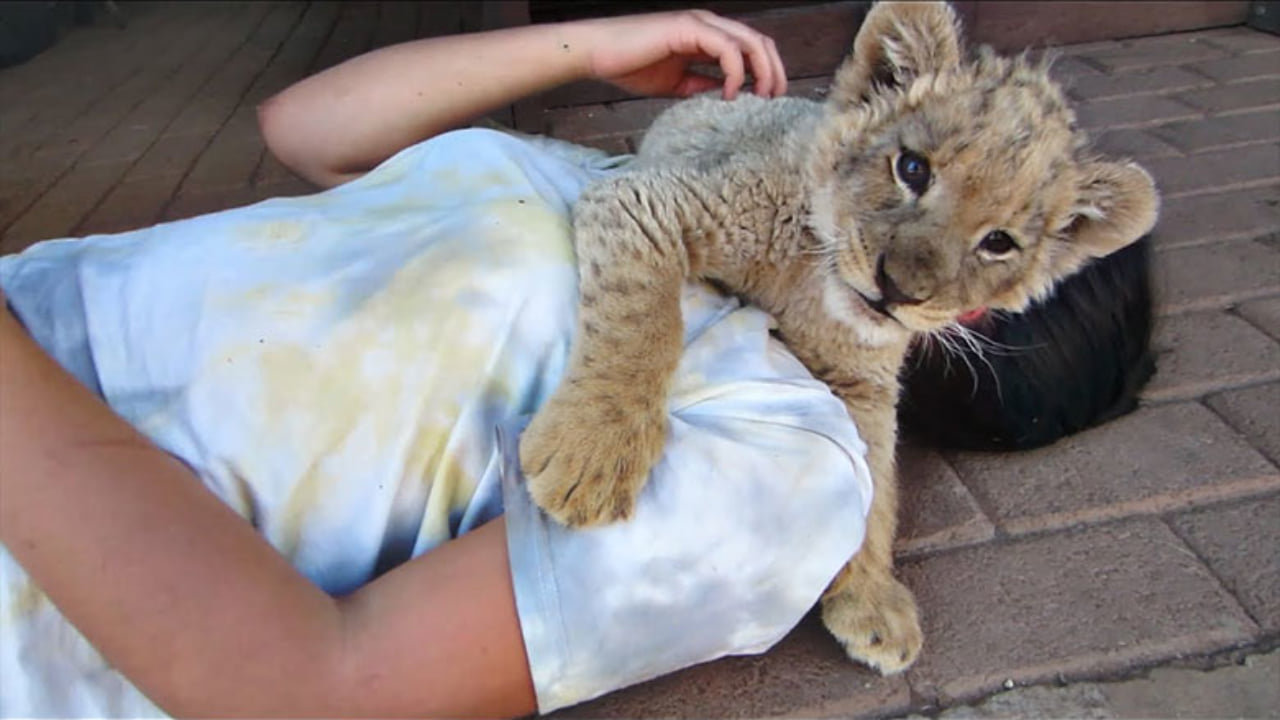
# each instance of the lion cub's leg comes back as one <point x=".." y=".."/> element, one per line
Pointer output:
<point x="588" y="451"/>
<point x="868" y="610"/>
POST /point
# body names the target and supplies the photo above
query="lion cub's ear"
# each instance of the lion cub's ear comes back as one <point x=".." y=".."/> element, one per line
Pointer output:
<point x="898" y="41"/>
<point x="1116" y="204"/>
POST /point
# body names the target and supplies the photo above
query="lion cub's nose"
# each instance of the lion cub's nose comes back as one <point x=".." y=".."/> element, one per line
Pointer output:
<point x="890" y="293"/>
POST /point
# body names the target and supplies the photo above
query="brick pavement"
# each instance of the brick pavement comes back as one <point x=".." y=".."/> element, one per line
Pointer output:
<point x="1151" y="539"/>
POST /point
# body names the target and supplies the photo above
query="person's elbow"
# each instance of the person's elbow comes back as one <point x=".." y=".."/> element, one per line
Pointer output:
<point x="286" y="140"/>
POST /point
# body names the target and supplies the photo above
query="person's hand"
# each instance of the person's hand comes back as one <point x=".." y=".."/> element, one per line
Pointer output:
<point x="651" y="54"/>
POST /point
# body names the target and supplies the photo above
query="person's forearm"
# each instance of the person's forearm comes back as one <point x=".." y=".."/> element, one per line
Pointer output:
<point x="194" y="607"/>
<point x="344" y="121"/>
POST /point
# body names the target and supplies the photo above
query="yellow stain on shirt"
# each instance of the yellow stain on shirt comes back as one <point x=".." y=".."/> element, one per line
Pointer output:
<point x="391" y="378"/>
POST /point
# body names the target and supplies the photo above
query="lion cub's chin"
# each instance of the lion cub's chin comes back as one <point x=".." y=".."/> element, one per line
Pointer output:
<point x="872" y="328"/>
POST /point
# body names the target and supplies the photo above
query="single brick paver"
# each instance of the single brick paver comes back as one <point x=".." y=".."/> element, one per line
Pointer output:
<point x="1210" y="218"/>
<point x="1162" y="79"/>
<point x="1152" y="461"/>
<point x="1217" y="170"/>
<point x="1126" y="546"/>
<point x="1263" y="314"/>
<point x="1139" y="54"/>
<point x="1239" y="69"/>
<point x="1235" y="97"/>
<point x="1201" y="353"/>
<point x="1102" y="599"/>
<point x="1132" y="143"/>
<point x="1216" y="133"/>
<point x="805" y="675"/>
<point x="1252" y="412"/>
<point x="938" y="511"/>
<point x="1204" y="277"/>
<point x="1239" y="542"/>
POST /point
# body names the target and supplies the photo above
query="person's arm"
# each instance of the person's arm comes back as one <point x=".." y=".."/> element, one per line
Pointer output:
<point x="334" y="126"/>
<point x="205" y="617"/>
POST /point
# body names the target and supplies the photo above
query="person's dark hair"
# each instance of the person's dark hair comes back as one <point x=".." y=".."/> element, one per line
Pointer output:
<point x="1067" y="363"/>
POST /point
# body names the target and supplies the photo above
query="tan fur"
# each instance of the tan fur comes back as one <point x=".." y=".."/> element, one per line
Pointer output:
<point x="791" y="204"/>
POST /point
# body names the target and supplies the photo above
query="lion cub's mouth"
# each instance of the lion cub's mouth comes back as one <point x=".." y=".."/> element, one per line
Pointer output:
<point x="878" y="305"/>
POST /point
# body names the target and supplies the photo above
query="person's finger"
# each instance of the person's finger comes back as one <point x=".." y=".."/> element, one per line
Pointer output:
<point x="694" y="83"/>
<point x="752" y="43"/>
<point x="780" y="78"/>
<point x="726" y="51"/>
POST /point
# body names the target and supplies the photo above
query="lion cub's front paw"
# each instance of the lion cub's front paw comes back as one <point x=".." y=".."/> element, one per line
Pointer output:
<point x="878" y="624"/>
<point x="587" y="455"/>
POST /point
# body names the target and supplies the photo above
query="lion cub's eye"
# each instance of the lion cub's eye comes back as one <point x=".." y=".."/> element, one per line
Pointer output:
<point x="913" y="171"/>
<point x="997" y="243"/>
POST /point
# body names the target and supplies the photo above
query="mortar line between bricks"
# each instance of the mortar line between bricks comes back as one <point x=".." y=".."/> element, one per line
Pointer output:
<point x="1210" y="391"/>
<point x="210" y="37"/>
<point x="1153" y="506"/>
<point x="1208" y="568"/>
<point x="1235" y="310"/>
<point x="164" y="208"/>
<point x="1275" y="462"/>
<point x="71" y="166"/>
<point x="1218" y="303"/>
<point x="1243" y="236"/>
<point x="1217" y="189"/>
<point x="998" y="533"/>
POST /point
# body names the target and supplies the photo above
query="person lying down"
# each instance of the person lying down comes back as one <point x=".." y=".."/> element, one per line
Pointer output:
<point x="350" y="373"/>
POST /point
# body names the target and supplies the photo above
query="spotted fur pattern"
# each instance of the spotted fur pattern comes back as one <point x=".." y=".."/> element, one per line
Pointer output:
<point x="816" y="212"/>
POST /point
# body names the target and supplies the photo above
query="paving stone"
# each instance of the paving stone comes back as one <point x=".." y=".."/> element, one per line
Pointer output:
<point x="1151" y="461"/>
<point x="1129" y="55"/>
<point x="60" y="208"/>
<point x="1161" y="79"/>
<point x="1246" y="690"/>
<point x="1133" y="111"/>
<point x="1217" y="170"/>
<point x="1215" y="133"/>
<point x="231" y="157"/>
<point x="351" y="35"/>
<point x="1240" y="39"/>
<point x="130" y="205"/>
<point x="1133" y="144"/>
<point x="185" y="205"/>
<point x="1203" y="277"/>
<point x="623" y="118"/>
<point x="271" y="171"/>
<point x="296" y="55"/>
<point x="169" y="155"/>
<point x="1252" y="412"/>
<point x="1072" y="604"/>
<point x="1236" y="97"/>
<point x="1248" y="67"/>
<point x="1239" y="541"/>
<point x="287" y="188"/>
<point x="1232" y="215"/>
<point x="20" y="187"/>
<point x="805" y="675"/>
<point x="397" y="22"/>
<point x="936" y="510"/>
<point x="1263" y="314"/>
<point x="1207" y="352"/>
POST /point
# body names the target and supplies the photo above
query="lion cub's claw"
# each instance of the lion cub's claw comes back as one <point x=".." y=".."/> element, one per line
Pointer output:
<point x="878" y="625"/>
<point x="586" y="459"/>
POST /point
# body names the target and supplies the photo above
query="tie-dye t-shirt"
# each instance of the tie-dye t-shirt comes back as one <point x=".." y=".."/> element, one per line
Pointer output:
<point x="350" y="371"/>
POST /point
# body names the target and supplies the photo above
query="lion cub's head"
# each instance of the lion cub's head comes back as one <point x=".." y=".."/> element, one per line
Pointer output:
<point x="941" y="185"/>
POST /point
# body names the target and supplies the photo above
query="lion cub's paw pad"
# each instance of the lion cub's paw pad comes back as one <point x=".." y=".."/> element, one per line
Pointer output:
<point x="586" y="461"/>
<point x="880" y="628"/>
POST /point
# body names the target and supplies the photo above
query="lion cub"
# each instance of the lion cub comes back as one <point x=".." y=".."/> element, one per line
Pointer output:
<point x="926" y="186"/>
